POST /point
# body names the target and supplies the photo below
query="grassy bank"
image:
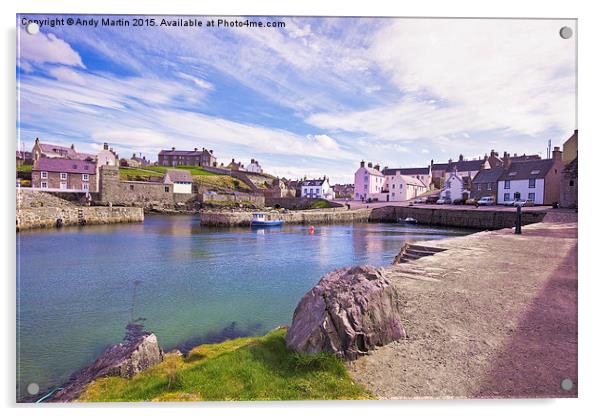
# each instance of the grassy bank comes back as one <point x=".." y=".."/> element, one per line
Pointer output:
<point x="255" y="368"/>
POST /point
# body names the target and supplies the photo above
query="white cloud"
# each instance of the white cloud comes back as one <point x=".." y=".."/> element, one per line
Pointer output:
<point x="46" y="48"/>
<point x="201" y="83"/>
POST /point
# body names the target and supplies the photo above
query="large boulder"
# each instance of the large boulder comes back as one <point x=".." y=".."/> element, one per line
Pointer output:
<point x="349" y="312"/>
<point x="139" y="351"/>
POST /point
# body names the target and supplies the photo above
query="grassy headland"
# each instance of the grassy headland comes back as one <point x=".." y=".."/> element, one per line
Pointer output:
<point x="254" y="368"/>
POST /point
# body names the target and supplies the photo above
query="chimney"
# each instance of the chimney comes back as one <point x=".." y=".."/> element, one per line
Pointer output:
<point x="211" y="151"/>
<point x="105" y="146"/>
<point x="37" y="140"/>
<point x="461" y="157"/>
<point x="72" y="146"/>
<point x="506" y="160"/>
<point x="449" y="164"/>
<point x="173" y="148"/>
<point x="232" y="160"/>
<point x="362" y="164"/>
<point x="196" y="148"/>
<point x="133" y="155"/>
<point x="432" y="163"/>
<point x="557" y="153"/>
<point x="369" y="164"/>
<point x="515" y="155"/>
<point x="377" y="167"/>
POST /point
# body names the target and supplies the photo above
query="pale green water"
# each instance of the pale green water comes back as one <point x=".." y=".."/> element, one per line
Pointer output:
<point x="75" y="287"/>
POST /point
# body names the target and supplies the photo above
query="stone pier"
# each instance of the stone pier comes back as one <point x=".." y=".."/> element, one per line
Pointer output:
<point x="46" y="217"/>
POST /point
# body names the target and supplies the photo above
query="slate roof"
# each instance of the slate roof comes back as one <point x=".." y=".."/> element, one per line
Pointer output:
<point x="410" y="180"/>
<point x="184" y="152"/>
<point x="172" y="176"/>
<point x="406" y="171"/>
<point x="488" y="175"/>
<point x="64" y="165"/>
<point x="462" y="166"/>
<point x="313" y="182"/>
<point x="523" y="170"/>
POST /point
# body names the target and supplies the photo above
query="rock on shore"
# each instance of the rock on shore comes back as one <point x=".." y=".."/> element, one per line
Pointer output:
<point x="349" y="312"/>
<point x="139" y="351"/>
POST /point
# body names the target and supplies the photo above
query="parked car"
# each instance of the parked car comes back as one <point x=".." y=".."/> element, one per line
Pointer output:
<point x="524" y="203"/>
<point x="443" y="200"/>
<point x="509" y="203"/>
<point x="471" y="201"/>
<point x="459" y="201"/>
<point x="432" y="199"/>
<point x="486" y="200"/>
<point x="420" y="201"/>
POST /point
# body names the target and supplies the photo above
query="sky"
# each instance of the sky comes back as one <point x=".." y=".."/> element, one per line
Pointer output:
<point x="311" y="99"/>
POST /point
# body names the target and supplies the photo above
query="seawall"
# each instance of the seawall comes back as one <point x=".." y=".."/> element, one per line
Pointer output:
<point x="481" y="219"/>
<point x="477" y="218"/>
<point x="46" y="217"/>
<point x="326" y="216"/>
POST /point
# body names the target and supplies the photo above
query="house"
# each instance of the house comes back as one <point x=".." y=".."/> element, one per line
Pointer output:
<point x="568" y="180"/>
<point x="485" y="182"/>
<point x="317" y="188"/>
<point x="463" y="168"/>
<point x="194" y="157"/>
<point x="254" y="167"/>
<point x="279" y="189"/>
<point x="107" y="156"/>
<point x="369" y="182"/>
<point x="233" y="165"/>
<point x="142" y="161"/>
<point x="180" y="179"/>
<point x="454" y="187"/>
<point x="494" y="160"/>
<point x="343" y="191"/>
<point x="401" y="187"/>
<point x="46" y="150"/>
<point x="58" y="174"/>
<point x="23" y="158"/>
<point x="422" y="174"/>
<point x="296" y="187"/>
<point x="538" y="180"/>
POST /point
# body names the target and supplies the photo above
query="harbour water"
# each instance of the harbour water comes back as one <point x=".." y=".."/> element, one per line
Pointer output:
<point x="77" y="288"/>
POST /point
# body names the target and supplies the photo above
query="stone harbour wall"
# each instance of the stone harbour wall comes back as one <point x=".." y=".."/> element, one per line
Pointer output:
<point x="482" y="219"/>
<point x="46" y="217"/>
<point x="327" y="216"/>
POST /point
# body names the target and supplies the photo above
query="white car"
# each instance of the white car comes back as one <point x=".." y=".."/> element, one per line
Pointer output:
<point x="486" y="200"/>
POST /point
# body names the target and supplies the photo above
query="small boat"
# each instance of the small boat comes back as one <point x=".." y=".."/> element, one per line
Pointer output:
<point x="410" y="220"/>
<point x="261" y="219"/>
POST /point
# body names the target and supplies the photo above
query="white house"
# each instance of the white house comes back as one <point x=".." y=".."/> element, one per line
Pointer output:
<point x="454" y="187"/>
<point x="369" y="182"/>
<point x="317" y="188"/>
<point x="181" y="180"/>
<point x="538" y="180"/>
<point x="403" y="187"/>
<point x="254" y="167"/>
<point x="107" y="157"/>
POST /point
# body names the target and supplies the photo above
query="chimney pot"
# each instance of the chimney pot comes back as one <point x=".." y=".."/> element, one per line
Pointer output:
<point x="173" y="148"/>
<point x="362" y="164"/>
<point x="105" y="146"/>
<point x="369" y="164"/>
<point x="196" y="148"/>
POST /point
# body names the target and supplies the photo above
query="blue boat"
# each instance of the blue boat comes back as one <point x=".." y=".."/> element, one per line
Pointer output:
<point x="261" y="219"/>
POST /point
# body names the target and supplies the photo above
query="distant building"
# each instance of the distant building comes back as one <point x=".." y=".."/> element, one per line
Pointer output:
<point x="317" y="188"/>
<point x="279" y="188"/>
<point x="422" y="174"/>
<point x="485" y="183"/>
<point x="344" y="191"/>
<point x="53" y="151"/>
<point x="135" y="161"/>
<point x="58" y="174"/>
<point x="194" y="157"/>
<point x="402" y="187"/>
<point x="454" y="188"/>
<point x="538" y="180"/>
<point x="568" y="180"/>
<point x="254" y="167"/>
<point x="180" y="179"/>
<point x="107" y="157"/>
<point x="23" y="158"/>
<point x="463" y="168"/>
<point x="368" y="181"/>
<point x="234" y="165"/>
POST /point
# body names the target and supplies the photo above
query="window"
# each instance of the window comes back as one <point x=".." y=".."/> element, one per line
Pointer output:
<point x="393" y="186"/>
<point x="532" y="183"/>
<point x="85" y="177"/>
<point x="167" y="189"/>
<point x="44" y="175"/>
<point x="85" y="186"/>
<point x="478" y="186"/>
<point x="131" y="187"/>
<point x="506" y="185"/>
<point x="507" y="196"/>
<point x="571" y="183"/>
<point x="531" y="196"/>
<point x="44" y="184"/>
<point x="489" y="186"/>
<point x="63" y="176"/>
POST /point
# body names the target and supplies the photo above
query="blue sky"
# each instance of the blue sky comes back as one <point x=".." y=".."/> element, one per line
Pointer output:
<point x="312" y="99"/>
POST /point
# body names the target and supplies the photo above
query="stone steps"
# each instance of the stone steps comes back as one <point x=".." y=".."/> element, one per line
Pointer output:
<point x="410" y="252"/>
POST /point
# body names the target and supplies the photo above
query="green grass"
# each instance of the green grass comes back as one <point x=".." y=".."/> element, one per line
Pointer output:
<point x="194" y="170"/>
<point x="255" y="368"/>
<point x="320" y="204"/>
<point x="24" y="168"/>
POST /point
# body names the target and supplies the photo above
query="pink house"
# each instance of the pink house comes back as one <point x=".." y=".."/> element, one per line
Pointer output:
<point x="369" y="182"/>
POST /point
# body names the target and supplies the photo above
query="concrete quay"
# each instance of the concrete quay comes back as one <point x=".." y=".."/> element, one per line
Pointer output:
<point x="493" y="315"/>
<point x="46" y="217"/>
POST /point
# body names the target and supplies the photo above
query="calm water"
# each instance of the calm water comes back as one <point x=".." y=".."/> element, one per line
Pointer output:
<point x="78" y="287"/>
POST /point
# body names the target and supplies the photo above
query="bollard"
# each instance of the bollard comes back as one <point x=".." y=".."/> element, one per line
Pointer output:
<point x="517" y="229"/>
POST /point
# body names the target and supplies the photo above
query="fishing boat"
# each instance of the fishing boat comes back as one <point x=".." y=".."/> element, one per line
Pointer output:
<point x="261" y="219"/>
